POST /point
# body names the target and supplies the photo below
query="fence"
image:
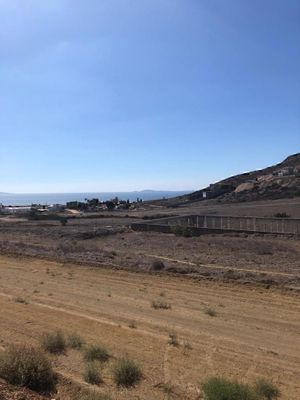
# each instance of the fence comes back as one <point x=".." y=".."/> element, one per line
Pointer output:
<point x="219" y="224"/>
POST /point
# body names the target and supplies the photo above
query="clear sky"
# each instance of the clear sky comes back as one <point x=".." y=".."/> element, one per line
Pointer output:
<point x="104" y="95"/>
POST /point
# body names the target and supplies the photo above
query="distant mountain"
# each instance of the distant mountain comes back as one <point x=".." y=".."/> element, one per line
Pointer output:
<point x="278" y="181"/>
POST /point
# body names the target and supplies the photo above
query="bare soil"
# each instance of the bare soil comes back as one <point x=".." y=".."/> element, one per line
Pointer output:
<point x="254" y="333"/>
<point x="95" y="277"/>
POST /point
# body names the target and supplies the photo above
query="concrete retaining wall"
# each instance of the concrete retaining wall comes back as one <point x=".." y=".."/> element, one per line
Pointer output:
<point x="218" y="224"/>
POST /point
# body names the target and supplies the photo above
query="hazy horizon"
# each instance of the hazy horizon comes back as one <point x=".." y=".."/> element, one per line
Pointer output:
<point x="103" y="191"/>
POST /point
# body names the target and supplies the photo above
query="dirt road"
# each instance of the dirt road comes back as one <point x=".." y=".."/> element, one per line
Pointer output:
<point x="255" y="332"/>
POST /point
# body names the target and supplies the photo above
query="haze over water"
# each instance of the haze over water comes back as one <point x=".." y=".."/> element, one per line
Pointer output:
<point x="62" y="198"/>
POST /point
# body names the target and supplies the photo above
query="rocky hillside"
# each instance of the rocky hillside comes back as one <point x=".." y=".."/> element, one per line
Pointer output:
<point x="275" y="182"/>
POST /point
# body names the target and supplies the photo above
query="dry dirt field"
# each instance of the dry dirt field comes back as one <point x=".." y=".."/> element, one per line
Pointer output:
<point x="95" y="277"/>
<point x="255" y="332"/>
<point x="263" y="259"/>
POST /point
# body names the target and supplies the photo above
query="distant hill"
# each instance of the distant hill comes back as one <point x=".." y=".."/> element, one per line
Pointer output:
<point x="278" y="181"/>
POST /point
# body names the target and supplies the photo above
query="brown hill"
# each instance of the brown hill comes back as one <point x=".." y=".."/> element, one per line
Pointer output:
<point x="278" y="181"/>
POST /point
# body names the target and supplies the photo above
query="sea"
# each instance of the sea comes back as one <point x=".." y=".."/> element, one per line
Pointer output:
<point x="27" y="199"/>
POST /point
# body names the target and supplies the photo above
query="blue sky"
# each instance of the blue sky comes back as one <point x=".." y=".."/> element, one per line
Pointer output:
<point x="104" y="95"/>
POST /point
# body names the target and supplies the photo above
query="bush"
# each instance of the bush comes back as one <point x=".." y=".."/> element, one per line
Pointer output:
<point x="157" y="265"/>
<point x="54" y="342"/>
<point x="266" y="390"/>
<point x="92" y="374"/>
<point x="126" y="373"/>
<point x="63" y="221"/>
<point x="75" y="341"/>
<point x="223" y="389"/>
<point x="281" y="215"/>
<point x="27" y="366"/>
<point x="96" y="352"/>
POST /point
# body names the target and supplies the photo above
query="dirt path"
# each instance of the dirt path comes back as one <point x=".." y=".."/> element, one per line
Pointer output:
<point x="255" y="332"/>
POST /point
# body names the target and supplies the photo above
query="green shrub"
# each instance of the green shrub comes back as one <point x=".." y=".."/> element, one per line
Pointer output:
<point x="54" y="342"/>
<point x="75" y="341"/>
<point x="96" y="352"/>
<point x="223" y="389"/>
<point x="92" y="374"/>
<point x="266" y="389"/>
<point x="126" y="372"/>
<point x="27" y="366"/>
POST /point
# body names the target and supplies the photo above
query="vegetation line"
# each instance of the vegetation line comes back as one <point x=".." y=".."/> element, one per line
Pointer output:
<point x="213" y="266"/>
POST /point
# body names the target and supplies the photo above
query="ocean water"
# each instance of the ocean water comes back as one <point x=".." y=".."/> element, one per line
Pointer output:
<point x="24" y="199"/>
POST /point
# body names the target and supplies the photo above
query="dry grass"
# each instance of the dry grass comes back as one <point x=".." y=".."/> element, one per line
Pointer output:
<point x="75" y="341"/>
<point x="93" y="395"/>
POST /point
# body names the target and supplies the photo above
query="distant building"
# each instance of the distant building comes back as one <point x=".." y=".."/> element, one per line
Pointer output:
<point x="56" y="207"/>
<point x="288" y="171"/>
<point x="15" y="210"/>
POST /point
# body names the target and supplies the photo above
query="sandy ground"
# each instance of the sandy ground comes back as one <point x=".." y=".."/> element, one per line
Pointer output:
<point x="255" y="333"/>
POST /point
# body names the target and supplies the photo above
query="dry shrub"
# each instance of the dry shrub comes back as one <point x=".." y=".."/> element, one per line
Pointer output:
<point x="96" y="352"/>
<point x="27" y="366"/>
<point x="160" y="305"/>
<point x="216" y="388"/>
<point x="157" y="265"/>
<point x="211" y="312"/>
<point x="54" y="342"/>
<point x="126" y="372"/>
<point x="173" y="340"/>
<point x="266" y="389"/>
<point x="92" y="374"/>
